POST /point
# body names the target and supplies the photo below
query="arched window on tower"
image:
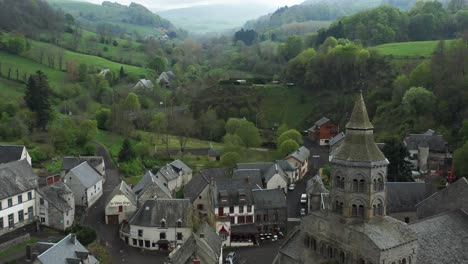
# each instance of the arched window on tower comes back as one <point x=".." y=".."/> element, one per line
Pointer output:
<point x="354" y="211"/>
<point x="362" y="186"/>
<point x="375" y="185"/>
<point x="374" y="209"/>
<point x="342" y="183"/>
<point x="379" y="209"/>
<point x="338" y="182"/>
<point x="337" y="206"/>
<point x="361" y="211"/>
<point x="340" y="211"/>
<point x="313" y="243"/>
<point x="403" y="261"/>
<point x="380" y="185"/>
<point x="342" y="257"/>
<point x="355" y="185"/>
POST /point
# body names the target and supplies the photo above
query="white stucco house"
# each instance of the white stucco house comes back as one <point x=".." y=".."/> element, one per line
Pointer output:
<point x="160" y="224"/>
<point x="18" y="185"/>
<point x="121" y="204"/>
<point x="86" y="184"/>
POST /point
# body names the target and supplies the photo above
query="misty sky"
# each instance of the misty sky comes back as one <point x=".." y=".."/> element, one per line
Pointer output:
<point x="171" y="4"/>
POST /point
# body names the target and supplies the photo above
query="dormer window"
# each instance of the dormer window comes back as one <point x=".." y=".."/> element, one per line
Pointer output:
<point x="242" y="195"/>
<point x="163" y="223"/>
<point x="179" y="223"/>
<point x="223" y="196"/>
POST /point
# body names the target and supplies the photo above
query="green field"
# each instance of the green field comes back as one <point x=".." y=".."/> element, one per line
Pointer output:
<point x="28" y="67"/>
<point x="409" y="49"/>
<point x="10" y="90"/>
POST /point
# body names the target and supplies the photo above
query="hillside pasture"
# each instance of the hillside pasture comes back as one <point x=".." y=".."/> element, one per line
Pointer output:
<point x="409" y="49"/>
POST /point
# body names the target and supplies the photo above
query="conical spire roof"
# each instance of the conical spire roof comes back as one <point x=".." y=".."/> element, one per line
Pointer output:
<point x="359" y="144"/>
<point x="359" y="118"/>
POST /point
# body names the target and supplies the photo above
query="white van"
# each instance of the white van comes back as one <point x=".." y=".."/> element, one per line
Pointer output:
<point x="303" y="198"/>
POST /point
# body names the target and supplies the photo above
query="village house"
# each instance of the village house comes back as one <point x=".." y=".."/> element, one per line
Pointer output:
<point x="160" y="224"/>
<point x="428" y="152"/>
<point x="18" y="184"/>
<point x="270" y="174"/>
<point x="97" y="162"/>
<point x="165" y="79"/>
<point x="121" y="204"/>
<point x="334" y="144"/>
<point x="203" y="247"/>
<point x="175" y="175"/>
<point x="55" y="205"/>
<point x="291" y="170"/>
<point x="9" y="153"/>
<point x="234" y="211"/>
<point x="150" y="187"/>
<point x="198" y="191"/>
<point x="322" y="131"/>
<point x="68" y="250"/>
<point x="144" y="85"/>
<point x="300" y="158"/>
<point x="214" y="155"/>
<point x="86" y="184"/>
<point x="271" y="211"/>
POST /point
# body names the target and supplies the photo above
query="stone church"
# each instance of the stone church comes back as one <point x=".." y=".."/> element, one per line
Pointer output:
<point x="354" y="227"/>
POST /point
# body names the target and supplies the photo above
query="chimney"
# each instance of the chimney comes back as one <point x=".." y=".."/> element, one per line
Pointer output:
<point x="276" y="167"/>
<point x="247" y="180"/>
<point x="196" y="261"/>
<point x="73" y="238"/>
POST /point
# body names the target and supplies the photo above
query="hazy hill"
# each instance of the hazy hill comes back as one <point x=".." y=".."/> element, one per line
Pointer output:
<point x="214" y="18"/>
<point x="123" y="19"/>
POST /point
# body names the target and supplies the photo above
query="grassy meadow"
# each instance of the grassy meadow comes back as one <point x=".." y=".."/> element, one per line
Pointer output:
<point x="409" y="49"/>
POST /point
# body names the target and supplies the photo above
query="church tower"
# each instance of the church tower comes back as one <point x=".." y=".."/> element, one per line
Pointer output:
<point x="359" y="170"/>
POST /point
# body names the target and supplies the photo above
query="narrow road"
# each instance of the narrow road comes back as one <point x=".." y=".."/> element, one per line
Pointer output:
<point x="108" y="235"/>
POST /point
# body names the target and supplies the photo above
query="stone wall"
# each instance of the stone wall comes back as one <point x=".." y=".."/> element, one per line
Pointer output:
<point x="14" y="242"/>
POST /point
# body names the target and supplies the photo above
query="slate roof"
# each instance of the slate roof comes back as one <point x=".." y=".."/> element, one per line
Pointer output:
<point x="52" y="193"/>
<point x="171" y="210"/>
<point x="166" y="76"/>
<point x="269" y="199"/>
<point x="202" y="179"/>
<point x="262" y="166"/>
<point x="318" y="123"/>
<point x="337" y="138"/>
<point x="244" y="229"/>
<point x="178" y="165"/>
<point x="272" y="171"/>
<point x="86" y="174"/>
<point x="148" y="179"/>
<point x="231" y="188"/>
<point x="443" y="238"/>
<point x="286" y="165"/>
<point x="249" y="175"/>
<point x="359" y="144"/>
<point x="71" y="162"/>
<point x="16" y="177"/>
<point x="9" y="153"/>
<point x="404" y="196"/>
<point x="214" y="153"/>
<point x="65" y="252"/>
<point x="302" y="154"/>
<point x="145" y="83"/>
<point x="124" y="189"/>
<point x="434" y="141"/>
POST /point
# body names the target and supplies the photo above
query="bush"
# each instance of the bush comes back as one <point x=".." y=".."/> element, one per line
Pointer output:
<point x="132" y="168"/>
<point x="89" y="149"/>
<point x="41" y="153"/>
<point x="85" y="234"/>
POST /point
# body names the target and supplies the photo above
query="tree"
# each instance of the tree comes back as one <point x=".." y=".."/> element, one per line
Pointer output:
<point x="184" y="127"/>
<point x="104" y="118"/>
<point x="17" y="45"/>
<point x="230" y="159"/>
<point x="121" y="72"/>
<point x="460" y="161"/>
<point x="293" y="46"/>
<point x="82" y="72"/>
<point x="233" y="124"/>
<point x="249" y="134"/>
<point x="37" y="98"/>
<point x="421" y="75"/>
<point x="287" y="147"/>
<point x="419" y="101"/>
<point x="158" y="124"/>
<point x="126" y="152"/>
<point x="132" y="102"/>
<point x="281" y="129"/>
<point x="290" y="134"/>
<point x="399" y="169"/>
<point x="158" y="64"/>
<point x="86" y="132"/>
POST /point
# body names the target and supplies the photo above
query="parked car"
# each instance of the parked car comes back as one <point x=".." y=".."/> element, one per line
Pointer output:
<point x="303" y="198"/>
<point x="231" y="258"/>
<point x="303" y="211"/>
<point x="291" y="187"/>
